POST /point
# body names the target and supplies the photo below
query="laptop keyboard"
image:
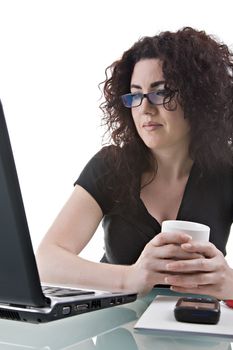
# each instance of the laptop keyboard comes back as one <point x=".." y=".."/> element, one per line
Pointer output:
<point x="64" y="292"/>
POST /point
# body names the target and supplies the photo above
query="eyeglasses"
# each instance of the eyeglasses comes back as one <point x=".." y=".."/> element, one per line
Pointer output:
<point x="154" y="97"/>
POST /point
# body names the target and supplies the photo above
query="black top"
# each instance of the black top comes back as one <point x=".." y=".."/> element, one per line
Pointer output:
<point x="207" y="199"/>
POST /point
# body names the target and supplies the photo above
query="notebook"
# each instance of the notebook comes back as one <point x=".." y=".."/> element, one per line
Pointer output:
<point x="22" y="297"/>
<point x="159" y="316"/>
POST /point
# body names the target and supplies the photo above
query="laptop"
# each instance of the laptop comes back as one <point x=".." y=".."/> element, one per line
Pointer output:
<point x="22" y="297"/>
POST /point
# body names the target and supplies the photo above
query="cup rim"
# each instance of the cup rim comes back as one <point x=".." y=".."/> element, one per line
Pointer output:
<point x="187" y="225"/>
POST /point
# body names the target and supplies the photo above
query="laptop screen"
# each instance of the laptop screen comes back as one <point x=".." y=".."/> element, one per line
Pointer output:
<point x="19" y="279"/>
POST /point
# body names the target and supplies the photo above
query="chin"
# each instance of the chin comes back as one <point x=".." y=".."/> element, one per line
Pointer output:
<point x="153" y="145"/>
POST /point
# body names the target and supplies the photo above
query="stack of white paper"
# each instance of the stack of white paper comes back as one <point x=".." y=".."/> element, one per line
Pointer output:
<point x="160" y="316"/>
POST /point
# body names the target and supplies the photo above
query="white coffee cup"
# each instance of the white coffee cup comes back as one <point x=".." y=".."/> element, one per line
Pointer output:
<point x="198" y="232"/>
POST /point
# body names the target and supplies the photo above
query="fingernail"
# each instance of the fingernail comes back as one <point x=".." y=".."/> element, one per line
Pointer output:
<point x="187" y="245"/>
<point x="170" y="267"/>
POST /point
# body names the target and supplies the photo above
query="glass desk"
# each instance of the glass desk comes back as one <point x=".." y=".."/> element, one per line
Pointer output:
<point x="109" y="329"/>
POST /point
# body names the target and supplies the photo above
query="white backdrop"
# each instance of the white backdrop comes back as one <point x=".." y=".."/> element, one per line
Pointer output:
<point x="53" y="54"/>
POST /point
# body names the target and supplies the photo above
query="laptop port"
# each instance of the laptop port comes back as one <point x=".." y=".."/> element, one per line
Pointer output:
<point x="95" y="304"/>
<point x="113" y="301"/>
<point x="66" y="310"/>
<point x="82" y="307"/>
<point x="119" y="300"/>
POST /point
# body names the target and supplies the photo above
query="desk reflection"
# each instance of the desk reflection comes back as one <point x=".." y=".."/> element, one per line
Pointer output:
<point x="63" y="334"/>
<point x="123" y="339"/>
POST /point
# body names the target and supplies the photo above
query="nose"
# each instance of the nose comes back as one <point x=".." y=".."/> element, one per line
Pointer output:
<point x="147" y="107"/>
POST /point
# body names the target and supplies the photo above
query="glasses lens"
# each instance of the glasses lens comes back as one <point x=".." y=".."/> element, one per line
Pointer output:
<point x="131" y="100"/>
<point x="156" y="97"/>
<point x="127" y="100"/>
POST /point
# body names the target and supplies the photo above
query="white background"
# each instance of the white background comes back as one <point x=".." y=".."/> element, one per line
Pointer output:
<point x="53" y="54"/>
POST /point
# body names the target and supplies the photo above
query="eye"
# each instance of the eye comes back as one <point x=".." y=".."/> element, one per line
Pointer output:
<point x="132" y="99"/>
<point x="136" y="94"/>
<point x="162" y="92"/>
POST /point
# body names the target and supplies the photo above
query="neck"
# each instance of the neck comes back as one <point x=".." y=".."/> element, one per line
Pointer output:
<point x="173" y="164"/>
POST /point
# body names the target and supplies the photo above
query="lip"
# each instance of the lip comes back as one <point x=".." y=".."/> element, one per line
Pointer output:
<point x="151" y="126"/>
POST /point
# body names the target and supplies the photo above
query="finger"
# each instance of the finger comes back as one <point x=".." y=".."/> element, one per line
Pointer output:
<point x="171" y="251"/>
<point x="207" y="290"/>
<point x="214" y="288"/>
<point x="153" y="265"/>
<point x="205" y="248"/>
<point x="156" y="265"/>
<point x="159" y="278"/>
<point x="192" y="280"/>
<point x="164" y="238"/>
<point x="186" y="266"/>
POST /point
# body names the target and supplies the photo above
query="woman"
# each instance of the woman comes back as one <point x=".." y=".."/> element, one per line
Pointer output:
<point x="169" y="112"/>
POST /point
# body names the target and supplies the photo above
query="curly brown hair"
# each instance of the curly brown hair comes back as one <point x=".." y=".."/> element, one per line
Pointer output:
<point x="200" y="69"/>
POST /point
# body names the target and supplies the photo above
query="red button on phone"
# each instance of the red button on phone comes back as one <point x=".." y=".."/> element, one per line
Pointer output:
<point x="229" y="303"/>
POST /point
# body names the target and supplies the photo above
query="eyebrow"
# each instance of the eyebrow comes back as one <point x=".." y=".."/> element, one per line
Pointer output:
<point x="152" y="85"/>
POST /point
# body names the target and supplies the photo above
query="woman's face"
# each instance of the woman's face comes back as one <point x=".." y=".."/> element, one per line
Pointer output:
<point x="158" y="128"/>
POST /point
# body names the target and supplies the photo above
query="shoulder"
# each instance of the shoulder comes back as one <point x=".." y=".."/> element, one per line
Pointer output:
<point x="219" y="172"/>
<point x="98" y="177"/>
<point x="104" y="160"/>
<point x="219" y="180"/>
<point x="98" y="166"/>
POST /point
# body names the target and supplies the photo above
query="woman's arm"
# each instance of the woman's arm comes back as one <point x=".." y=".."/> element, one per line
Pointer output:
<point x="57" y="255"/>
<point x="59" y="263"/>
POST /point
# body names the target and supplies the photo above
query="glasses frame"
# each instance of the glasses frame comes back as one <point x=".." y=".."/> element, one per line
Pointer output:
<point x="142" y="97"/>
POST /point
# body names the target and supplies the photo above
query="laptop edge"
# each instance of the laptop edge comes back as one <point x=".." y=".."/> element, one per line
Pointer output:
<point x="21" y="296"/>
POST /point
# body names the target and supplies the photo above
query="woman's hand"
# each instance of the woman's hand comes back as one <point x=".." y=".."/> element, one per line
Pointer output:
<point x="151" y="266"/>
<point x="210" y="274"/>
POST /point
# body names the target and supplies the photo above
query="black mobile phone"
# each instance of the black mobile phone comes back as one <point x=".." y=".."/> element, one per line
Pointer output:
<point x="197" y="310"/>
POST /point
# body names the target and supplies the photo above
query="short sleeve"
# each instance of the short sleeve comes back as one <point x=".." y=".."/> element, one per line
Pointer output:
<point x="93" y="179"/>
